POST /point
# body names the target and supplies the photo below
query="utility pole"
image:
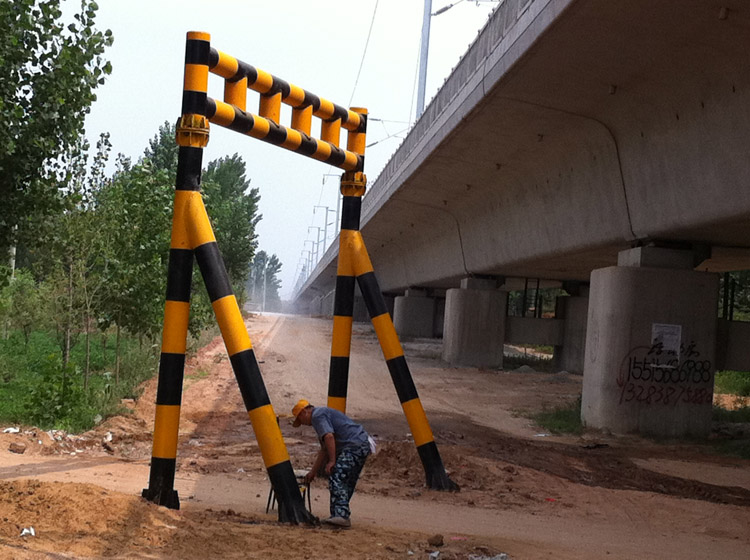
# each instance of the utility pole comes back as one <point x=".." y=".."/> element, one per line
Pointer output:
<point x="309" y="259"/>
<point x="325" y="226"/>
<point x="253" y="273"/>
<point x="425" y="47"/>
<point x="317" y="242"/>
<point x="265" y="268"/>
<point x="338" y="203"/>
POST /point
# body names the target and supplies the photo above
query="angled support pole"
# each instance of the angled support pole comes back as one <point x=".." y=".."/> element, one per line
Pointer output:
<point x="192" y="235"/>
<point x="354" y="264"/>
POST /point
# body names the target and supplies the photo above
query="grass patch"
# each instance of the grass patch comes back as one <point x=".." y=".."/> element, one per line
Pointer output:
<point x="561" y="420"/>
<point x="199" y="373"/>
<point x="545" y="365"/>
<point x="543" y="348"/>
<point x="195" y="376"/>
<point x="733" y="383"/>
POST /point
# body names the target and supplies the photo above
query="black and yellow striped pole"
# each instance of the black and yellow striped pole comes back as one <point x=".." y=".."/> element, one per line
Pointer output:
<point x="245" y="366"/>
<point x="352" y="191"/>
<point x="179" y="274"/>
<point x="354" y="263"/>
<point x="192" y="234"/>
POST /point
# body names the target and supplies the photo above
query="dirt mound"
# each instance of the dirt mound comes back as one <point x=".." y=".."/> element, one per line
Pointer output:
<point x="31" y="441"/>
<point x="508" y="473"/>
<point x="731" y="402"/>
<point x="86" y="521"/>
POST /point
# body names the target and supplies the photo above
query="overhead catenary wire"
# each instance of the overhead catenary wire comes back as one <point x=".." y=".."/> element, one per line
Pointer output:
<point x="354" y="89"/>
<point x="395" y="134"/>
<point x="364" y="52"/>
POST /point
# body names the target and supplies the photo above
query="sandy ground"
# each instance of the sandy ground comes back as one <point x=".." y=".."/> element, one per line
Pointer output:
<point x="524" y="493"/>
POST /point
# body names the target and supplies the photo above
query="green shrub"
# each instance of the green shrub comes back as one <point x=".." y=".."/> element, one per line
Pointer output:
<point x="733" y="383"/>
<point x="35" y="388"/>
<point x="136" y="366"/>
<point x="57" y="399"/>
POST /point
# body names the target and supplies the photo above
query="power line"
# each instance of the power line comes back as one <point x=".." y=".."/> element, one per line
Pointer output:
<point x="354" y="89"/>
<point x="362" y="62"/>
<point x="373" y="119"/>
<point x="387" y="137"/>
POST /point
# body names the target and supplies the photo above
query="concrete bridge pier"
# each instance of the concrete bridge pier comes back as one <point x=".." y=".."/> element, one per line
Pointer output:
<point x="326" y="304"/>
<point x="414" y="314"/>
<point x="650" y="345"/>
<point x="316" y="305"/>
<point x="573" y="311"/>
<point x="438" y="322"/>
<point x="474" y="327"/>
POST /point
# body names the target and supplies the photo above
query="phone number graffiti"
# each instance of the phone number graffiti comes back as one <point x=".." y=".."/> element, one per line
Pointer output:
<point x="649" y="375"/>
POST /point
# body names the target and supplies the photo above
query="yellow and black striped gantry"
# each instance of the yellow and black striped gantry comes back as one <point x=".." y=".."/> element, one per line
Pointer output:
<point x="193" y="237"/>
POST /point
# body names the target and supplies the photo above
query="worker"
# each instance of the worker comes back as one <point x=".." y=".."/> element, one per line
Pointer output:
<point x="344" y="447"/>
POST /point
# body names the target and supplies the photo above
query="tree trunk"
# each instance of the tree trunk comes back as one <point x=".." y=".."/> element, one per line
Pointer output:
<point x="12" y="255"/>
<point x="87" y="371"/>
<point x="69" y="318"/>
<point x="117" y="355"/>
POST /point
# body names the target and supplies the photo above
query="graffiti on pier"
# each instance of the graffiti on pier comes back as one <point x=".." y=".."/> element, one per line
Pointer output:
<point x="663" y="375"/>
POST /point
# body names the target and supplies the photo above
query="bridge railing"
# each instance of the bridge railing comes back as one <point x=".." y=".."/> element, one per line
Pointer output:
<point x="499" y="26"/>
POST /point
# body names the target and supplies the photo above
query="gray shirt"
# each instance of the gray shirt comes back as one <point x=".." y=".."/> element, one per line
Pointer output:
<point x="346" y="432"/>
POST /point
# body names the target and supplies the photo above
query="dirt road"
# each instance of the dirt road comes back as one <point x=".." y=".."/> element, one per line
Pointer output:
<point x="523" y="492"/>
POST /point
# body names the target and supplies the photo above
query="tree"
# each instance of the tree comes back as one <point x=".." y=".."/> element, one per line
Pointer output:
<point x="79" y="247"/>
<point x="48" y="73"/>
<point x="162" y="150"/>
<point x="137" y="208"/>
<point x="734" y="295"/>
<point x="264" y="281"/>
<point x="22" y="304"/>
<point x="233" y="208"/>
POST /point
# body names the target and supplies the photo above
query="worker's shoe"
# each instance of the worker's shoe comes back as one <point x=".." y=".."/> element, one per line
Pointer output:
<point x="338" y="522"/>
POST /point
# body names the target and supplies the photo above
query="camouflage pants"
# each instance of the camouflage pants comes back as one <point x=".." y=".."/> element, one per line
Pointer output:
<point x="344" y="477"/>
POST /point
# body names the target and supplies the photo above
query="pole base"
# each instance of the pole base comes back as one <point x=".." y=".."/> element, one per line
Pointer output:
<point x="162" y="497"/>
<point x="441" y="481"/>
<point x="297" y="514"/>
<point x="437" y="478"/>
<point x="288" y="496"/>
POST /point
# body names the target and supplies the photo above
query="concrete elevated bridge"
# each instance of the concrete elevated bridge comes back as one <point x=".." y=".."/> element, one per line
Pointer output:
<point x="602" y="146"/>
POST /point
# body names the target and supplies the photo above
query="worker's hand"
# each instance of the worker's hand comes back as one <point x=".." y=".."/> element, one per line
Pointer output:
<point x="309" y="477"/>
<point x="329" y="467"/>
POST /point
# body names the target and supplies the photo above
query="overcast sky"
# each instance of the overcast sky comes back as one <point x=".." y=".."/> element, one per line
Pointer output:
<point x="316" y="45"/>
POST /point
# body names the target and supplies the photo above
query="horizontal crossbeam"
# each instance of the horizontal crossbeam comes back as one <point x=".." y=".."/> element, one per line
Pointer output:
<point x="234" y="118"/>
<point x="234" y="70"/>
